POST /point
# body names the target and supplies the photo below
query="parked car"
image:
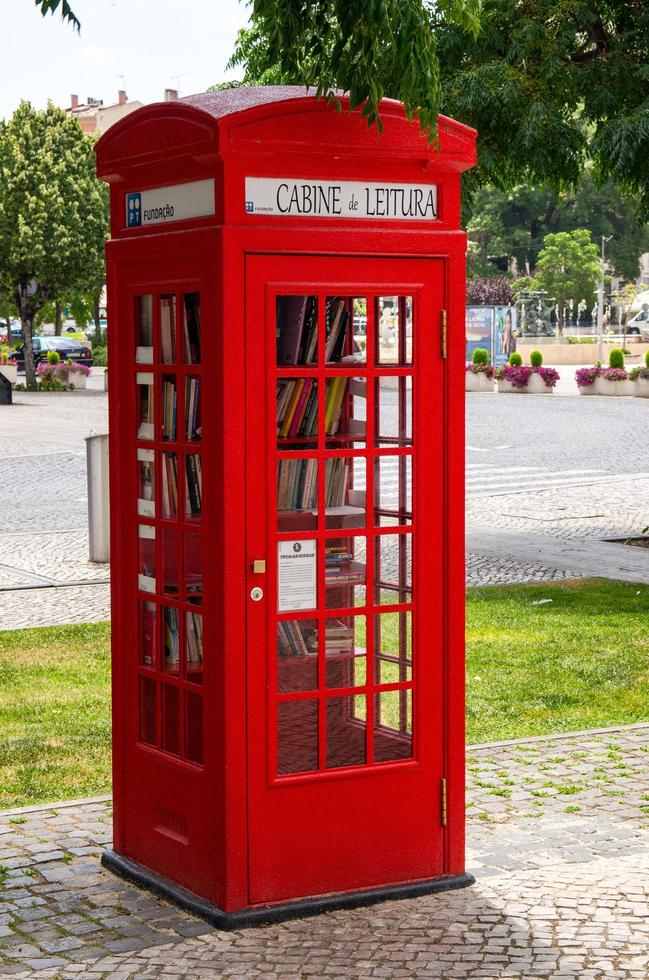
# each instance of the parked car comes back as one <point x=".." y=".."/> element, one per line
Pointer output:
<point x="640" y="322"/>
<point x="65" y="347"/>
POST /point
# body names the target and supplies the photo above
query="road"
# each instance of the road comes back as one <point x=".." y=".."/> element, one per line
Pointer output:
<point x="539" y="468"/>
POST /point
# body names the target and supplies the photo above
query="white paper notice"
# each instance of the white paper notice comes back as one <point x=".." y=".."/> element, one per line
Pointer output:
<point x="296" y="575"/>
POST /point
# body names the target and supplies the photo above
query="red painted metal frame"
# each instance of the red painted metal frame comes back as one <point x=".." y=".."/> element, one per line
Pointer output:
<point x="187" y="822"/>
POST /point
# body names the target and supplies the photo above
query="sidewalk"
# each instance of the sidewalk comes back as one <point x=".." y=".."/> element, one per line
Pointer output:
<point x="558" y="835"/>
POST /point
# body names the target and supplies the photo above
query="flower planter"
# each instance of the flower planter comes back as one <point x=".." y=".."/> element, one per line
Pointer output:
<point x="10" y="372"/>
<point x="641" y="387"/>
<point x="602" y="386"/>
<point x="478" y="381"/>
<point x="535" y="386"/>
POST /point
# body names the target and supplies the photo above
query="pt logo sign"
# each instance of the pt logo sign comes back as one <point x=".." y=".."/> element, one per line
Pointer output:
<point x="134" y="210"/>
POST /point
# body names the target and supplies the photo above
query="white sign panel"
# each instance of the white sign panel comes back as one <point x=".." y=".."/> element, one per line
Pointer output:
<point x="341" y="199"/>
<point x="178" y="202"/>
<point x="296" y="575"/>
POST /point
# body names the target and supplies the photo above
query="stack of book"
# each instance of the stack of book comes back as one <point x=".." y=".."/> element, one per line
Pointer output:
<point x="169" y="480"/>
<point x="171" y="641"/>
<point x="193" y="409"/>
<point x="297" y="484"/>
<point x="194" y="628"/>
<point x="168" y="329"/>
<point x="194" y="487"/>
<point x="297" y="330"/>
<point x="192" y="328"/>
<point x="296" y="639"/>
<point x="169" y="408"/>
<point x="297" y="406"/>
<point x="339" y="638"/>
<point x="345" y="573"/>
<point x="336" y="480"/>
<point x="338" y="319"/>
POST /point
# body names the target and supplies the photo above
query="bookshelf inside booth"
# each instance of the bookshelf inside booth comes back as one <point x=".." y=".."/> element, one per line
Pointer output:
<point x="168" y="456"/>
<point x="355" y="642"/>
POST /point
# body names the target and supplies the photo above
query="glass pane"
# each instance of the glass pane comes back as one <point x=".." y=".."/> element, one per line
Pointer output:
<point x="296" y="575"/>
<point x="170" y="576"/>
<point x="169" y="480"/>
<point x="346" y="342"/>
<point x="341" y="346"/>
<point x="192" y="328"/>
<point x="297" y="413"/>
<point x="296" y="324"/>
<point x="144" y="329"/>
<point x="148" y="635"/>
<point x="193" y="426"/>
<point x="393" y="408"/>
<point x="345" y="651"/>
<point x="171" y="662"/>
<point x="193" y="486"/>
<point x="145" y="418"/>
<point x="147" y="726"/>
<point x="169" y="407"/>
<point x="168" y="329"/>
<point x="345" y="572"/>
<point x="297" y="655"/>
<point x="146" y="569"/>
<point x="297" y="494"/>
<point x="345" y="732"/>
<point x="297" y="737"/>
<point x="394" y="330"/>
<point x="393" y="647"/>
<point x="193" y="564"/>
<point x="170" y="739"/>
<point x="194" y="647"/>
<point x="194" y="727"/>
<point x="393" y="568"/>
<point x="146" y="483"/>
<point x="345" y="411"/>
<point x="345" y="497"/>
<point x="393" y="490"/>
<point x="393" y="726"/>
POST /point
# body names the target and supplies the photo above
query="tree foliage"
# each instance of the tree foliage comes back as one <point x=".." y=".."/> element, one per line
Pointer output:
<point x="506" y="229"/>
<point x="53" y="213"/>
<point x="489" y="291"/>
<point x="548" y="85"/>
<point x="568" y="269"/>
<point x="51" y="6"/>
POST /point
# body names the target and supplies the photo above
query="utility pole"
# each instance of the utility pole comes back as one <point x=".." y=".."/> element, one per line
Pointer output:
<point x="600" y="302"/>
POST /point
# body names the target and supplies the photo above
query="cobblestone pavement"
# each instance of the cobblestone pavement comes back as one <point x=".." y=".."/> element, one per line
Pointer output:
<point x="558" y="833"/>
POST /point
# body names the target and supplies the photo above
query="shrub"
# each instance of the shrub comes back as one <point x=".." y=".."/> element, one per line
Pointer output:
<point x="100" y="356"/>
<point x="5" y="357"/>
<point x="639" y="372"/>
<point x="536" y="358"/>
<point x="480" y="356"/>
<point x="646" y="358"/>
<point x="616" y="359"/>
<point x="515" y="359"/>
<point x="53" y="357"/>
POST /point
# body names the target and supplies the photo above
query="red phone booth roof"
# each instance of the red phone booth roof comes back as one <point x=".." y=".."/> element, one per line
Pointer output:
<point x="272" y="119"/>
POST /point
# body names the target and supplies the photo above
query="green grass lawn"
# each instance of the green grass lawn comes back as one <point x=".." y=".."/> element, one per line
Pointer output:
<point x="580" y="661"/>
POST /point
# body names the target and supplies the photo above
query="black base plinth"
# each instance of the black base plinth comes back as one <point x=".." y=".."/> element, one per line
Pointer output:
<point x="261" y="914"/>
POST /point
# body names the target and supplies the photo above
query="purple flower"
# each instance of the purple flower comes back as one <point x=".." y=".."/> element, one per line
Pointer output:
<point x="586" y="376"/>
<point x="480" y="369"/>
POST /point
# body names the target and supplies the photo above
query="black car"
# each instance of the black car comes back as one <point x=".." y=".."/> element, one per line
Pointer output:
<point x="65" y="347"/>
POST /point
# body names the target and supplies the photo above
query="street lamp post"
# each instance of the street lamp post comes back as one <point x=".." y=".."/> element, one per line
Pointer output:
<point x="600" y="302"/>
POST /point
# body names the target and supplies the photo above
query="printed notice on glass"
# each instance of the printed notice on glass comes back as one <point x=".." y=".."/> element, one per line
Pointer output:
<point x="296" y="575"/>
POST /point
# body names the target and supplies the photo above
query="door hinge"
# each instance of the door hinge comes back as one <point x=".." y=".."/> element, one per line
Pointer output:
<point x="444" y="811"/>
<point x="443" y="333"/>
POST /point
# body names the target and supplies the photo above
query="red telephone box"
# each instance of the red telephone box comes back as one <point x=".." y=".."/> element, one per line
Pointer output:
<point x="286" y="302"/>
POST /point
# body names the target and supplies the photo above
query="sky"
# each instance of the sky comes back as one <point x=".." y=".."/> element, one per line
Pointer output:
<point x="142" y="46"/>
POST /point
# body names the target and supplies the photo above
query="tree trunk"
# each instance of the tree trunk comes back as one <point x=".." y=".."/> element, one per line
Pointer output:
<point x="27" y="309"/>
<point x="58" y="319"/>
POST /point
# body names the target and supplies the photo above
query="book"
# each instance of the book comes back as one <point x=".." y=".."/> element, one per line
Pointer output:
<point x="300" y="408"/>
<point x="194" y="640"/>
<point x="169" y="409"/>
<point x="290" y="411"/>
<point x="168" y="329"/>
<point x="192" y="328"/>
<point x="169" y="476"/>
<point x="193" y="409"/>
<point x="147" y="633"/>
<point x="171" y="640"/>
<point x="193" y="486"/>
<point x="146" y="501"/>
<point x="290" y="316"/>
<point x="336" y="329"/>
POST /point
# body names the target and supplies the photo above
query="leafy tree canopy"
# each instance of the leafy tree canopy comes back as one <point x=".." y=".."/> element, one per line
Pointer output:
<point x="568" y="269"/>
<point x="53" y="212"/>
<point x="51" y="6"/>
<point x="507" y="229"/>
<point x="548" y="85"/>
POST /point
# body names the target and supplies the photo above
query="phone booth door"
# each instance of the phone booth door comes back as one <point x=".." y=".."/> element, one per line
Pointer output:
<point x="345" y="621"/>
